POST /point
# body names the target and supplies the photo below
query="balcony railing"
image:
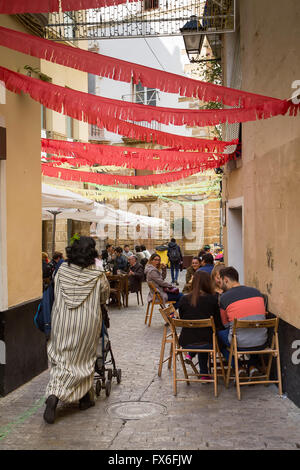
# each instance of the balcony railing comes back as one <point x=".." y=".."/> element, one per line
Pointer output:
<point x="144" y="18"/>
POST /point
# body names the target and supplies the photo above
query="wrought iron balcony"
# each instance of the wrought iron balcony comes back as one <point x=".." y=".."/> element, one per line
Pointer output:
<point x="144" y="18"/>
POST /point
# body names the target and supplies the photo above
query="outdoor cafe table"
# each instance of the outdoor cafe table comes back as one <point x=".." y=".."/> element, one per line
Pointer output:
<point x="124" y="284"/>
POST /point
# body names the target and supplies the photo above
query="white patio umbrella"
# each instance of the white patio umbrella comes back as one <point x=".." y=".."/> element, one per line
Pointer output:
<point x="64" y="199"/>
<point x="57" y="200"/>
<point x="64" y="204"/>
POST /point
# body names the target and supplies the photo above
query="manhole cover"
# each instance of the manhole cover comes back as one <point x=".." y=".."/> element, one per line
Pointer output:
<point x="135" y="409"/>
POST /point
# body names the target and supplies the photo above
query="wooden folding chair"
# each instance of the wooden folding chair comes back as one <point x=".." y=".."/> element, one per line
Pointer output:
<point x="177" y="350"/>
<point x="272" y="351"/>
<point x="156" y="300"/>
<point x="167" y="337"/>
<point x="117" y="288"/>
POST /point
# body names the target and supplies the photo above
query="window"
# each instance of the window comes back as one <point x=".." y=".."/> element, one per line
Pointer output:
<point x="43" y="117"/>
<point x="151" y="4"/>
<point x="144" y="95"/>
<point x="70" y="127"/>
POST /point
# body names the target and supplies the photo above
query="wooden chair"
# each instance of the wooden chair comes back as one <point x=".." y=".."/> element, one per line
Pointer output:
<point x="156" y="300"/>
<point x="272" y="351"/>
<point x="167" y="337"/>
<point x="214" y="352"/>
<point x="141" y="295"/>
<point x="117" y="288"/>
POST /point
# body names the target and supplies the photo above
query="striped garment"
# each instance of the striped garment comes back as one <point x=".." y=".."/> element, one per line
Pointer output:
<point x="76" y="326"/>
<point x="244" y="303"/>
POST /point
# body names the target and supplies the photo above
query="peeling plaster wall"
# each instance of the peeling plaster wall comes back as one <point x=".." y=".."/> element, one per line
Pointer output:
<point x="269" y="178"/>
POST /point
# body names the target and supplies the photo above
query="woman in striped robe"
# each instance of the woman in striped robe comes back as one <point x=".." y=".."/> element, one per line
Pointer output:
<point x="76" y="320"/>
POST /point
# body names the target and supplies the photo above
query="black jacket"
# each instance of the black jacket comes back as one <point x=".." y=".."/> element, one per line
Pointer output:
<point x="136" y="280"/>
<point x="173" y="247"/>
<point x="206" y="307"/>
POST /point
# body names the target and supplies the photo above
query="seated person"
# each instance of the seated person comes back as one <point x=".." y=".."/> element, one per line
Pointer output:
<point x="145" y="251"/>
<point x="219" y="255"/>
<point x="127" y="251"/>
<point x="135" y="275"/>
<point x="120" y="261"/>
<point x="107" y="256"/>
<point x="139" y="254"/>
<point x="244" y="303"/>
<point x="217" y="281"/>
<point x="208" y="263"/>
<point x="196" y="264"/>
<point x="199" y="304"/>
<point x="56" y="258"/>
<point x="156" y="273"/>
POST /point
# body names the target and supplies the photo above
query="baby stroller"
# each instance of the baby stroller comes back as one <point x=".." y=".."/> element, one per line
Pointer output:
<point x="103" y="375"/>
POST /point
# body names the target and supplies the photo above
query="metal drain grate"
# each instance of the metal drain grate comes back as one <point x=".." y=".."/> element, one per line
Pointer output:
<point x="135" y="409"/>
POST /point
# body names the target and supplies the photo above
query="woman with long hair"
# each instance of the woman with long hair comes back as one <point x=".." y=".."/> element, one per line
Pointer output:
<point x="156" y="272"/>
<point x="76" y="320"/>
<point x="196" y="264"/>
<point x="200" y="304"/>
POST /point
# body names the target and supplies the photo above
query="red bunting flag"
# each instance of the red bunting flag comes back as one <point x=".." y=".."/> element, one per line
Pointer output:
<point x="129" y="157"/>
<point x="98" y="110"/>
<point x="45" y="6"/>
<point x="28" y="6"/>
<point x="110" y="180"/>
<point x="124" y="71"/>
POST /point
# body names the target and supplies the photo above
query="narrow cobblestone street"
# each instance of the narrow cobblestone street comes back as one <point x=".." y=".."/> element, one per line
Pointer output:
<point x="192" y="420"/>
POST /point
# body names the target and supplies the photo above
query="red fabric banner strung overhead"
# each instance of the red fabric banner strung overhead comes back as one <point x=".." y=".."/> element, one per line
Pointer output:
<point x="129" y="157"/>
<point x="121" y="70"/>
<point x="93" y="109"/>
<point x="44" y="6"/>
<point x="110" y="180"/>
<point x="70" y="5"/>
<point x="166" y="139"/>
<point x="143" y="165"/>
<point x="28" y="6"/>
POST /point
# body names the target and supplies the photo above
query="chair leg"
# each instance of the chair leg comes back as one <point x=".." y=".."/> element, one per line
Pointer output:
<point x="174" y="371"/>
<point x="162" y="350"/>
<point x="215" y="367"/>
<point x="236" y="364"/>
<point x="278" y="365"/>
<point x="221" y="362"/>
<point x="151" y="313"/>
<point x="141" y="297"/>
<point x="183" y="367"/>
<point x="170" y="356"/>
<point x="229" y="366"/>
<point x="147" y="311"/>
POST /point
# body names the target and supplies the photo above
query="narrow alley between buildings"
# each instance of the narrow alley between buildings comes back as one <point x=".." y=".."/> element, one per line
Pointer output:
<point x="142" y="413"/>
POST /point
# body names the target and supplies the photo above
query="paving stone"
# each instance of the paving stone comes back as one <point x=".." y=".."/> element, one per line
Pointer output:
<point x="194" y="419"/>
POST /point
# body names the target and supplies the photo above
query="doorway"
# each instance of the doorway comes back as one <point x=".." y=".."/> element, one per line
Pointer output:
<point x="235" y="236"/>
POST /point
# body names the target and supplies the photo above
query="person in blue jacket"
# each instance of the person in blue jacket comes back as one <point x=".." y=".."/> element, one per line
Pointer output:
<point x="208" y="261"/>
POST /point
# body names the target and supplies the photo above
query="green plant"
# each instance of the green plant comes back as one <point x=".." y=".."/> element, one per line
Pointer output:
<point x="42" y="76"/>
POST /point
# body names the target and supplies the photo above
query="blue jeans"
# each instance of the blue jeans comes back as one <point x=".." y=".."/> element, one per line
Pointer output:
<point x="176" y="268"/>
<point x="202" y="357"/>
<point x="224" y="343"/>
<point x="176" y="297"/>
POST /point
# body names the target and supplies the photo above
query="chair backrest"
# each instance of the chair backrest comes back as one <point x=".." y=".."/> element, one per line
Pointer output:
<point x="205" y="323"/>
<point x="270" y="323"/>
<point x="116" y="278"/>
<point x="156" y="291"/>
<point x="166" y="312"/>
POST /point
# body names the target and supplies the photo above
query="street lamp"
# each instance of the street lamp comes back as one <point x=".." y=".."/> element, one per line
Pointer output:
<point x="193" y="37"/>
